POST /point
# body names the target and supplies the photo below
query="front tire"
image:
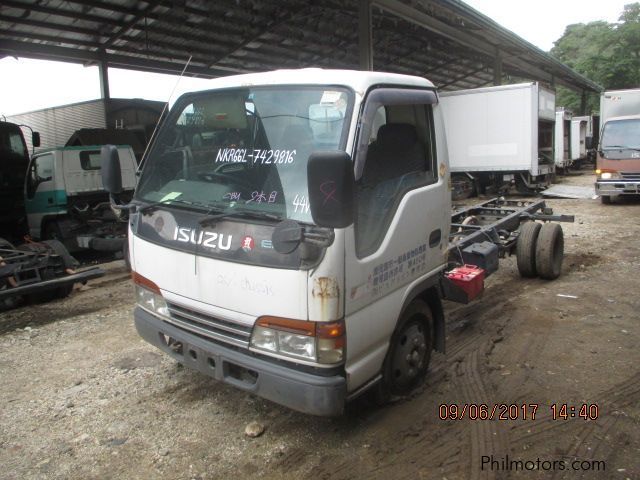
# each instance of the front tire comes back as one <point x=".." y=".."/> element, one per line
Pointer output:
<point x="409" y="352"/>
<point x="605" y="199"/>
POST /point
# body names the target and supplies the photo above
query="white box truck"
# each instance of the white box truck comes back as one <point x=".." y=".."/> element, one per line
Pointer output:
<point x="580" y="129"/>
<point x="500" y="136"/>
<point x="618" y="156"/>
<point x="562" y="140"/>
<point x="290" y="233"/>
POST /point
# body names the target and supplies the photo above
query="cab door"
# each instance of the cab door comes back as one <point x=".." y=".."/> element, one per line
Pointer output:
<point x="41" y="197"/>
<point x="400" y="233"/>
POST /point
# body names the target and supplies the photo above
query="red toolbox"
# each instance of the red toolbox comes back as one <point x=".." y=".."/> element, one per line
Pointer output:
<point x="468" y="277"/>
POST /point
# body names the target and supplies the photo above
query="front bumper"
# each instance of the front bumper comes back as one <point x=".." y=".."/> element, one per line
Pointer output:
<point x="615" y="187"/>
<point x="305" y="392"/>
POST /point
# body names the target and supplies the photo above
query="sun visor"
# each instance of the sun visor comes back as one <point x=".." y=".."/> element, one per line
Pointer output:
<point x="223" y="111"/>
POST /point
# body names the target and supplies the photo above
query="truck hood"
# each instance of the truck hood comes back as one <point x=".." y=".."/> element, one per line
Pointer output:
<point x="229" y="266"/>
<point x="622" y="161"/>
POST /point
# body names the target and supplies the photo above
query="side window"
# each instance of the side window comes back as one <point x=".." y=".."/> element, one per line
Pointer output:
<point x="395" y="155"/>
<point x="40" y="170"/>
<point x="90" y="160"/>
<point x="17" y="145"/>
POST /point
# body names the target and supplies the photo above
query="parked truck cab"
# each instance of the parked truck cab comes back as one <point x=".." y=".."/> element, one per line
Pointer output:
<point x="288" y="231"/>
<point x="618" y="160"/>
<point x="14" y="158"/>
<point x="64" y="198"/>
<point x="618" y="156"/>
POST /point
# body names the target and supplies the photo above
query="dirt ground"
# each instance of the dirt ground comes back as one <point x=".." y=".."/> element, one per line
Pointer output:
<point x="84" y="397"/>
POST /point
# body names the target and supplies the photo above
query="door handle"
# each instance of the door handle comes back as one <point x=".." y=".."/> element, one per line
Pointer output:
<point x="434" y="238"/>
<point x="50" y="200"/>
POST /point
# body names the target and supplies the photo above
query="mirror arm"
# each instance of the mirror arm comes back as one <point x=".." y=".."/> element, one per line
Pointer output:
<point x="318" y="236"/>
<point x="120" y="210"/>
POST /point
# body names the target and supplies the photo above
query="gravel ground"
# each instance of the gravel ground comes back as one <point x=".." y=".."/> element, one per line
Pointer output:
<point x="84" y="397"/>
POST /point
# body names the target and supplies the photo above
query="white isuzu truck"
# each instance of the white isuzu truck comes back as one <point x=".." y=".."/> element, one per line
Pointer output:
<point x="290" y="232"/>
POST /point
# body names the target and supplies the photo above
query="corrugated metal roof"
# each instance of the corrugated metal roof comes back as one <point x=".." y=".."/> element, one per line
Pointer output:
<point x="445" y="41"/>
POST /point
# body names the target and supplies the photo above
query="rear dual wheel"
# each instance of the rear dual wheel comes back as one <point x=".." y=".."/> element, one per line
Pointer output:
<point x="550" y="251"/>
<point x="526" y="249"/>
<point x="540" y="250"/>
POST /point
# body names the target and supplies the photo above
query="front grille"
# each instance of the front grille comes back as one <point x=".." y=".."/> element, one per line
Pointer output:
<point x="208" y="326"/>
<point x="635" y="176"/>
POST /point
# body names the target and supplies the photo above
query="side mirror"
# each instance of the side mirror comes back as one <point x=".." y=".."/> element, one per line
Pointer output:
<point x="331" y="186"/>
<point x="35" y="139"/>
<point x="110" y="167"/>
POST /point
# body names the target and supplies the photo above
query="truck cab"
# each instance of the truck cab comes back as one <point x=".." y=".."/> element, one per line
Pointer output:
<point x="64" y="198"/>
<point x="14" y="158"/>
<point x="618" y="158"/>
<point x="288" y="232"/>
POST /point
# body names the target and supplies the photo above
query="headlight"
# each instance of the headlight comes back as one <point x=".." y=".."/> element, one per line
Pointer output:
<point x="313" y="341"/>
<point x="608" y="174"/>
<point x="151" y="301"/>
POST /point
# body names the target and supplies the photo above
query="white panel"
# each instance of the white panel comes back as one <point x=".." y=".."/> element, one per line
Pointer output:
<point x="546" y="104"/>
<point x="494" y="149"/>
<point x="492" y="129"/>
<point x="77" y="180"/>
<point x="245" y="289"/>
<point x="57" y="124"/>
<point x="617" y="103"/>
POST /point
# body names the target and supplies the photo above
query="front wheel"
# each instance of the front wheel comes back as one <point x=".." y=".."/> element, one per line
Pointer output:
<point x="409" y="352"/>
<point x="605" y="199"/>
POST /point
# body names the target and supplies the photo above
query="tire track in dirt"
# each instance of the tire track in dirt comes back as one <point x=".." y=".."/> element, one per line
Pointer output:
<point x="594" y="439"/>
<point x="623" y="394"/>
<point x="487" y="436"/>
<point x="589" y="440"/>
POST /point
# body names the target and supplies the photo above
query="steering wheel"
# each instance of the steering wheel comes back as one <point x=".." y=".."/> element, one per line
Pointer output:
<point x="223" y="178"/>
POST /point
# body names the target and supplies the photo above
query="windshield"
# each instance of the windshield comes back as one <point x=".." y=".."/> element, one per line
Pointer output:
<point x="11" y="141"/>
<point x="621" y="134"/>
<point x="238" y="149"/>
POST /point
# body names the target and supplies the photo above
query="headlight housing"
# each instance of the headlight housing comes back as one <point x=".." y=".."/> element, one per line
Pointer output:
<point x="148" y="296"/>
<point x="311" y="341"/>
<point x="608" y="174"/>
<point x="151" y="301"/>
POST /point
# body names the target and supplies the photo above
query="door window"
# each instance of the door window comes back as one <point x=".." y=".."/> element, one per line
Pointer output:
<point x="40" y="170"/>
<point x="396" y="154"/>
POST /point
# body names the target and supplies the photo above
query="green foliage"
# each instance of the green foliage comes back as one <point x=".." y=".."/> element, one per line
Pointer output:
<point x="607" y="53"/>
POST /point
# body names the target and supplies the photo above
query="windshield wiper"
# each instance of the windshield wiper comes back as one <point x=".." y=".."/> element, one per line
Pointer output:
<point x="240" y="213"/>
<point x="154" y="205"/>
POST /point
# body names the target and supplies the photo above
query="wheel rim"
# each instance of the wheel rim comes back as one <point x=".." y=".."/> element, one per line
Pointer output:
<point x="409" y="355"/>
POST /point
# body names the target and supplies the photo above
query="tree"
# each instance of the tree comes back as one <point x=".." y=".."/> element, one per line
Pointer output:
<point x="607" y="53"/>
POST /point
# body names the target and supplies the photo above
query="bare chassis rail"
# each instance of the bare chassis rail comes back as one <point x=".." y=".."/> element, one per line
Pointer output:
<point x="497" y="220"/>
<point x="83" y="276"/>
<point x="27" y="268"/>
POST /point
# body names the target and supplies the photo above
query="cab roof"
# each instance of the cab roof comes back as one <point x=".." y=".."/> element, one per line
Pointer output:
<point x="623" y="117"/>
<point x="358" y="80"/>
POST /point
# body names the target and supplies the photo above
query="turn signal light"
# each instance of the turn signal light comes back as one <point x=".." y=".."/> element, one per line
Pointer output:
<point x="145" y="282"/>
